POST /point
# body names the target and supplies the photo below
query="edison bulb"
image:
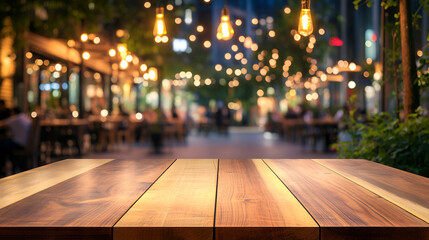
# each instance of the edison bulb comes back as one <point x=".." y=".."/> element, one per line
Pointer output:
<point x="305" y="26"/>
<point x="159" y="28"/>
<point x="225" y="31"/>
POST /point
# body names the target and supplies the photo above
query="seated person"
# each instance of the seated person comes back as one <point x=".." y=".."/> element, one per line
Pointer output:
<point x="4" y="112"/>
<point x="19" y="125"/>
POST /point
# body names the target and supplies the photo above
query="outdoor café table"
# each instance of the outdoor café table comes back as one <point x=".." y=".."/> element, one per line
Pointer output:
<point x="64" y="129"/>
<point x="214" y="199"/>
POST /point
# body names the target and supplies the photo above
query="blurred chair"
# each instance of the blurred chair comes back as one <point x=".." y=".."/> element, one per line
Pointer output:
<point x="29" y="156"/>
<point x="128" y="134"/>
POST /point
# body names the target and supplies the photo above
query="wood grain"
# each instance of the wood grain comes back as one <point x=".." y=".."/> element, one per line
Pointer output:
<point x="87" y="205"/>
<point x="22" y="185"/>
<point x="252" y="203"/>
<point x="407" y="190"/>
<point x="343" y="208"/>
<point x="179" y="205"/>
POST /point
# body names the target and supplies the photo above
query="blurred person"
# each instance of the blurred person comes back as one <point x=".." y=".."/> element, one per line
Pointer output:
<point x="291" y="113"/>
<point x="223" y="118"/>
<point x="308" y="116"/>
<point x="19" y="125"/>
<point x="4" y="111"/>
<point x="174" y="114"/>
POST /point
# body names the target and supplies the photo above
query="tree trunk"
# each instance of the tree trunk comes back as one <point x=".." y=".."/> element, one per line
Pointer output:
<point x="409" y="71"/>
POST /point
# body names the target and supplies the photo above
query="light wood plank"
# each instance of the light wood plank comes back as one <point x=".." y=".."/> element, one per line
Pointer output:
<point x="22" y="185"/>
<point x="343" y="209"/>
<point x="179" y="205"/>
<point x="407" y="190"/>
<point x="252" y="203"/>
<point x="87" y="205"/>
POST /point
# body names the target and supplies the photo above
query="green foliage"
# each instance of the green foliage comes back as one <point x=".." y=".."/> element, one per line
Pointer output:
<point x="385" y="139"/>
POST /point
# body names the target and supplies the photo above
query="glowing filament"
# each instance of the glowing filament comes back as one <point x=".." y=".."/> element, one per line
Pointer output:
<point x="305" y="26"/>
<point x="225" y="31"/>
<point x="159" y="29"/>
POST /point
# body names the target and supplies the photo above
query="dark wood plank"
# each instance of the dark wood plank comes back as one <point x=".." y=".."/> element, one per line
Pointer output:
<point x="22" y="185"/>
<point x="252" y="203"/>
<point x="85" y="206"/>
<point x="179" y="205"/>
<point x="343" y="209"/>
<point x="407" y="190"/>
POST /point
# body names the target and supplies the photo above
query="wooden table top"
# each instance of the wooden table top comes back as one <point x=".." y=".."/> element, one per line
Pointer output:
<point x="214" y="199"/>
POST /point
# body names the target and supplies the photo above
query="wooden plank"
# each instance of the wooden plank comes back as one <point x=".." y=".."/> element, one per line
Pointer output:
<point x="179" y="205"/>
<point x="85" y="206"/>
<point x="407" y="190"/>
<point x="22" y="185"/>
<point x="343" y="209"/>
<point x="252" y="203"/>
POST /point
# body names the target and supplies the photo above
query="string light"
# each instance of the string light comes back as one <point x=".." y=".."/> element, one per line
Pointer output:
<point x="159" y="29"/>
<point x="225" y="31"/>
<point x="305" y="26"/>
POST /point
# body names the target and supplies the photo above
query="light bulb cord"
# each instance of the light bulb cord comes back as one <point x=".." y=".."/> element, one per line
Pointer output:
<point x="305" y="4"/>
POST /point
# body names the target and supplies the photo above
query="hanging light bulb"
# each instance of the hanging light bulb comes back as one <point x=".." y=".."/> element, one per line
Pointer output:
<point x="305" y="26"/>
<point x="159" y="29"/>
<point x="225" y="31"/>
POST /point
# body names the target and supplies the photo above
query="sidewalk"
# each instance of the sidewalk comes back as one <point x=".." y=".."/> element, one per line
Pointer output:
<point x="240" y="143"/>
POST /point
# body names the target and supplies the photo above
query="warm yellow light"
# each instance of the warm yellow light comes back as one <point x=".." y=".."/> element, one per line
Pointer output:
<point x="352" y="66"/>
<point x="170" y="7"/>
<point x="28" y="55"/>
<point x="164" y="39"/>
<point x="112" y="52"/>
<point x="227" y="56"/>
<point x="287" y="10"/>
<point x="146" y="76"/>
<point x="192" y="38"/>
<point x="178" y="20"/>
<point x="153" y="74"/>
<point x="255" y="21"/>
<point x="147" y="4"/>
<point x="321" y="31"/>
<point x="86" y="55"/>
<point x="225" y="31"/>
<point x="58" y="67"/>
<point x="84" y="37"/>
<point x="123" y="64"/>
<point x="200" y="28"/>
<point x="234" y="48"/>
<point x="143" y="67"/>
<point x="122" y="48"/>
<point x="254" y="47"/>
<point x="297" y="37"/>
<point x="97" y="40"/>
<point x="305" y="26"/>
<point x="129" y="58"/>
<point x="369" y="61"/>
<point x="71" y="43"/>
<point x="272" y="33"/>
<point x="207" y="44"/>
<point x="104" y="112"/>
<point x="238" y="22"/>
<point x="419" y="53"/>
<point x="159" y="28"/>
<point x="218" y="67"/>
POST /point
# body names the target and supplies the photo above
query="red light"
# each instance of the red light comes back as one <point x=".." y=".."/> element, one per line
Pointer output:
<point x="373" y="37"/>
<point x="334" y="41"/>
